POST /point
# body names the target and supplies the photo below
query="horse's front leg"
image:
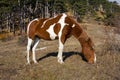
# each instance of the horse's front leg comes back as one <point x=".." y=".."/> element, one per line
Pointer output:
<point x="61" y="46"/>
<point x="60" y="52"/>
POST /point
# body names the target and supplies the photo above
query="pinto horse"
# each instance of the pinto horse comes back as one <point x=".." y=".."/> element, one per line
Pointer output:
<point x="60" y="27"/>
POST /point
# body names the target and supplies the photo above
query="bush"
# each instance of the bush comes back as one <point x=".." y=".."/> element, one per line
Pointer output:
<point x="113" y="20"/>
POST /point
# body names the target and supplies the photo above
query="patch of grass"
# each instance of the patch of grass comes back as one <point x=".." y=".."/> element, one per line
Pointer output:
<point x="5" y="36"/>
<point x="112" y="43"/>
<point x="22" y="40"/>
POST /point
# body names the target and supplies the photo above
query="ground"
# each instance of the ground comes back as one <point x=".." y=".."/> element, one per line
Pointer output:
<point x="13" y="59"/>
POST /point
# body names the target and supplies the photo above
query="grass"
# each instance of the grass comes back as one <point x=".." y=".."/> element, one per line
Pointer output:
<point x="6" y="36"/>
<point x="13" y="59"/>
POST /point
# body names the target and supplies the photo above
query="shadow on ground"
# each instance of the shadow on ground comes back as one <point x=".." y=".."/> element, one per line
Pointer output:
<point x="65" y="55"/>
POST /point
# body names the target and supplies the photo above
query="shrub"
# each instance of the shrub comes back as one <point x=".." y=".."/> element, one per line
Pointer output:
<point x="113" y="20"/>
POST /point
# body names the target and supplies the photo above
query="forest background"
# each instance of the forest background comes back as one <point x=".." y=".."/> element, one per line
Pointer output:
<point x="15" y="14"/>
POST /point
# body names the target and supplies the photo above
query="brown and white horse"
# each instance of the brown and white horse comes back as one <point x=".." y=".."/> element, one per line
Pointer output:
<point x="59" y="27"/>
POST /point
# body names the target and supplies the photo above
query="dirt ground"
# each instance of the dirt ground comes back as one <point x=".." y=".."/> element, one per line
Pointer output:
<point x="13" y="59"/>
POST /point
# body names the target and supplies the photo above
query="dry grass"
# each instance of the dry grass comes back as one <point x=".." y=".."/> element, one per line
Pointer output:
<point x="112" y="41"/>
<point x="6" y="36"/>
<point x="22" y="40"/>
<point x="13" y="59"/>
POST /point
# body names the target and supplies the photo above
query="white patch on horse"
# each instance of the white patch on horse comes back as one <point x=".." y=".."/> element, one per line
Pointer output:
<point x="73" y="25"/>
<point x="62" y="22"/>
<point x="30" y="24"/>
<point x="46" y="21"/>
<point x="51" y="32"/>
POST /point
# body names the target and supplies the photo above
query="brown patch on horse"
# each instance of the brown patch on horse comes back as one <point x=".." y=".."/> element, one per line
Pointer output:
<point x="57" y="28"/>
<point x="32" y="29"/>
<point x="66" y="33"/>
<point x="68" y="21"/>
<point x="77" y="32"/>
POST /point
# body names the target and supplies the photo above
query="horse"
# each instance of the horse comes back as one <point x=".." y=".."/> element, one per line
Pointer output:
<point x="61" y="27"/>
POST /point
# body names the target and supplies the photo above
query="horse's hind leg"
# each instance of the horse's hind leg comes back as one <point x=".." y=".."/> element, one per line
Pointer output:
<point x="36" y="41"/>
<point x="29" y="49"/>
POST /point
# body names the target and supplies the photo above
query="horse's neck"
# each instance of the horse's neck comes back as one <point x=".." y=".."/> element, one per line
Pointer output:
<point x="83" y="36"/>
<point x="80" y="34"/>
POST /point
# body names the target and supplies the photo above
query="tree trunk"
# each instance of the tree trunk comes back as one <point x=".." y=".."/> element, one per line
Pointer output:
<point x="46" y="10"/>
<point x="13" y="25"/>
<point x="7" y="24"/>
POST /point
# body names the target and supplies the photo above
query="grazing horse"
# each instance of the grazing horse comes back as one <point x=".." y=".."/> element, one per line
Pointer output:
<point x="60" y="27"/>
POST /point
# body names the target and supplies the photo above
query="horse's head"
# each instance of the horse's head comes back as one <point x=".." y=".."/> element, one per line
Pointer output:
<point x="88" y="51"/>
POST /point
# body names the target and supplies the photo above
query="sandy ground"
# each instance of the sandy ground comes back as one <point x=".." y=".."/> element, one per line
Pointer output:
<point x="13" y="59"/>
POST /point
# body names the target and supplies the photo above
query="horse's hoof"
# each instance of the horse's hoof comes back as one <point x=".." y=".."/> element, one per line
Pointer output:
<point x="28" y="63"/>
<point x="60" y="61"/>
<point x="35" y="62"/>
